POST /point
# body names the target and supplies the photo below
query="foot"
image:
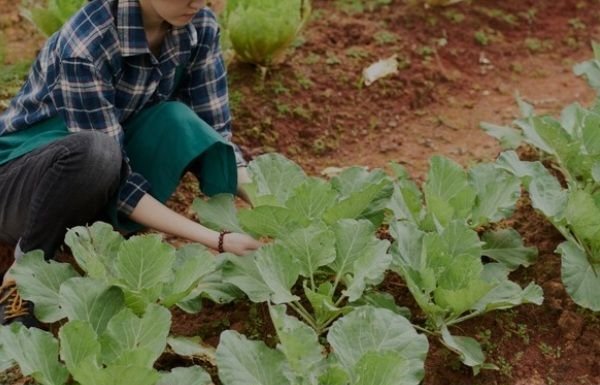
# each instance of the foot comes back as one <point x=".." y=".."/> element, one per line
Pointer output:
<point x="13" y="308"/>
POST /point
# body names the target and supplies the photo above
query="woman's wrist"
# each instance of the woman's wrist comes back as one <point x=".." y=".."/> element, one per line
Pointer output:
<point x="221" y="241"/>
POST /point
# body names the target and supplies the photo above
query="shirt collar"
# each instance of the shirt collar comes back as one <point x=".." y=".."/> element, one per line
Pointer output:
<point x="131" y="29"/>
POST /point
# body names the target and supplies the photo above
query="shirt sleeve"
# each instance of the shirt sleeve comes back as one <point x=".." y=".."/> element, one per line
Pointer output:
<point x="204" y="88"/>
<point x="84" y="98"/>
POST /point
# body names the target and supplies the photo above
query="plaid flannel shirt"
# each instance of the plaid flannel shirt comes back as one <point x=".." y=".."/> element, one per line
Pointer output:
<point x="98" y="71"/>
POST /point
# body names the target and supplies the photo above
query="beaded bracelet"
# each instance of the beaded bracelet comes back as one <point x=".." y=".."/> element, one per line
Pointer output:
<point x="222" y="234"/>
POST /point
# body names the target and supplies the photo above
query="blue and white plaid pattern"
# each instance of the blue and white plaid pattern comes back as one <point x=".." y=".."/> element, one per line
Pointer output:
<point x="97" y="72"/>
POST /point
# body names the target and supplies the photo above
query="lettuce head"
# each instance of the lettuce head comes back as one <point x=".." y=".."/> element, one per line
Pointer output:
<point x="261" y="30"/>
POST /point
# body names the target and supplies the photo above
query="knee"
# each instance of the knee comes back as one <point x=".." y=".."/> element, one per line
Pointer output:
<point x="97" y="154"/>
<point x="177" y="114"/>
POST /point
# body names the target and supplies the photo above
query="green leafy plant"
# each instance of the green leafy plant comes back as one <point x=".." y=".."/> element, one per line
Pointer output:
<point x="175" y="277"/>
<point x="50" y="16"/>
<point x="435" y="3"/>
<point x="572" y="146"/>
<point x="260" y="31"/>
<point x="499" y="15"/>
<point x="359" y="6"/>
<point x="322" y="231"/>
<point x="2" y="49"/>
<point x="591" y="69"/>
<point x="367" y="346"/>
<point x="479" y="196"/>
<point x="439" y="254"/>
<point x="102" y="340"/>
<point x="481" y="37"/>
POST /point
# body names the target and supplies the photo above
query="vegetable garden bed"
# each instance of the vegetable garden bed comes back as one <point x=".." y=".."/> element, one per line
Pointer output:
<point x="460" y="65"/>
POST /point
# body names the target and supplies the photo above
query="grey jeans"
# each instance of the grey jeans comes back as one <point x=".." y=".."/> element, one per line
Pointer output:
<point x="63" y="184"/>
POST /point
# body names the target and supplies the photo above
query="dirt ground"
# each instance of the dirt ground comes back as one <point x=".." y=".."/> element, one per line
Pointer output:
<point x="460" y="65"/>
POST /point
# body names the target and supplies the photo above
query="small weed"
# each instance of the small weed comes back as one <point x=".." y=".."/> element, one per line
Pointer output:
<point x="577" y="24"/>
<point x="498" y="14"/>
<point x="357" y="53"/>
<point x="304" y="81"/>
<point x="319" y="147"/>
<point x="568" y="62"/>
<point x="2" y="49"/>
<point x="482" y="38"/>
<point x="302" y="112"/>
<point x="332" y="59"/>
<point x="262" y="132"/>
<point x="504" y="367"/>
<point x="518" y="356"/>
<point x="516" y="68"/>
<point x="535" y="45"/>
<point x="431" y="21"/>
<point x="529" y="15"/>
<point x="520" y="330"/>
<point x="360" y="6"/>
<point x="523" y="333"/>
<point x="454" y="363"/>
<point x="572" y="42"/>
<point x="324" y="144"/>
<point x="299" y="42"/>
<point x="403" y="62"/>
<point x="317" y="14"/>
<point x="385" y="37"/>
<point x="279" y="88"/>
<point x="373" y="123"/>
<point x="548" y="351"/>
<point x="255" y="323"/>
<point x="235" y="99"/>
<point x="282" y="108"/>
<point x="454" y="16"/>
<point x="588" y="315"/>
<point x="312" y="58"/>
<point x="485" y="338"/>
<point x="486" y="36"/>
<point x="426" y="51"/>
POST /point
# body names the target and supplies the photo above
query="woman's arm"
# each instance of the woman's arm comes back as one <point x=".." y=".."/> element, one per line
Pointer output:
<point x="243" y="178"/>
<point x="151" y="213"/>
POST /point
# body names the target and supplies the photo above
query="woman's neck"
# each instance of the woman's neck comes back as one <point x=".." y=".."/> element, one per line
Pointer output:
<point x="156" y="27"/>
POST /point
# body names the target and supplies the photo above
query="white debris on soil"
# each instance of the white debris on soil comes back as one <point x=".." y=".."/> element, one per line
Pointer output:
<point x="380" y="69"/>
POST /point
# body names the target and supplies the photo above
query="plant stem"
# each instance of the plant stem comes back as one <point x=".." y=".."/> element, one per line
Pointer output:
<point x="427" y="331"/>
<point x="339" y="301"/>
<point x="464" y="318"/>
<point x="297" y="306"/>
<point x="335" y="284"/>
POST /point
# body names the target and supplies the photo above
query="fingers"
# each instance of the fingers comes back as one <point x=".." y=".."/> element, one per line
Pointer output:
<point x="240" y="244"/>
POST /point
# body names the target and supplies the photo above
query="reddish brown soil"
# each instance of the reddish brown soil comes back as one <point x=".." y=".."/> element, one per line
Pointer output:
<point x="314" y="110"/>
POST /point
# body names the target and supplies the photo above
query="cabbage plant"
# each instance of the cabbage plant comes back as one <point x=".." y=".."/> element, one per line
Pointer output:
<point x="260" y="31"/>
<point x="438" y="248"/>
<point x="367" y="346"/>
<point x="322" y="232"/>
<point x="478" y="197"/>
<point x="590" y="69"/>
<point x="445" y="274"/>
<point x="572" y="145"/>
<point x="49" y="17"/>
<point x="102" y="339"/>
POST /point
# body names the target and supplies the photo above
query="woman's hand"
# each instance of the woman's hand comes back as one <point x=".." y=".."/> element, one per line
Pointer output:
<point x="239" y="244"/>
